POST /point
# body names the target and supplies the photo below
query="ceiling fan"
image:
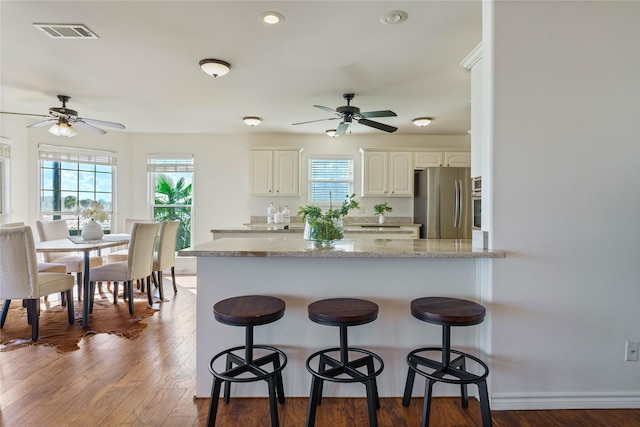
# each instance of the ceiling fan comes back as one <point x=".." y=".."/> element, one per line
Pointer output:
<point x="349" y="113"/>
<point x="64" y="120"/>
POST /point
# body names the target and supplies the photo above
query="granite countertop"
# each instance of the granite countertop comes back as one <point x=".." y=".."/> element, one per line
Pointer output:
<point x="362" y="247"/>
<point x="299" y="228"/>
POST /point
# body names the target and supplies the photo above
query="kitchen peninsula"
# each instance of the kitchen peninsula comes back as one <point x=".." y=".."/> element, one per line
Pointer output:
<point x="389" y="272"/>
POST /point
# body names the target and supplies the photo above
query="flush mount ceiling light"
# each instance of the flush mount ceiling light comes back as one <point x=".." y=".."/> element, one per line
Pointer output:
<point x="272" y="18"/>
<point x="215" y="67"/>
<point x="252" y="120"/>
<point x="422" y="121"/>
<point x="331" y="133"/>
<point x="394" y="17"/>
<point x="62" y="128"/>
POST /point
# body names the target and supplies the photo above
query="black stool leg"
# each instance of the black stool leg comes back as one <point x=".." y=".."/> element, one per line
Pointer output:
<point x="426" y="406"/>
<point x="372" y="402"/>
<point x="227" y="384"/>
<point x="316" y="386"/>
<point x="278" y="379"/>
<point x="213" y="405"/>
<point x="273" y="407"/>
<point x="463" y="388"/>
<point x="484" y="404"/>
<point x="408" y="388"/>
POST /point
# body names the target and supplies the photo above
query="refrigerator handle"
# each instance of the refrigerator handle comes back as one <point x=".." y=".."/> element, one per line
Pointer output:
<point x="456" y="205"/>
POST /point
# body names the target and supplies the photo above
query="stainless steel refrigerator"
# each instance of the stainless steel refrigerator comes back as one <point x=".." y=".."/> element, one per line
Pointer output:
<point x="442" y="203"/>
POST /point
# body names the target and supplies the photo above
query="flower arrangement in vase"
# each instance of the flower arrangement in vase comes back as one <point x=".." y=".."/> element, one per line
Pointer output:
<point x="380" y="209"/>
<point x="96" y="213"/>
<point x="325" y="228"/>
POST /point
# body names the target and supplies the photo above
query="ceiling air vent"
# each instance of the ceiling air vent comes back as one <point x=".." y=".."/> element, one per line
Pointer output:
<point x="67" y="31"/>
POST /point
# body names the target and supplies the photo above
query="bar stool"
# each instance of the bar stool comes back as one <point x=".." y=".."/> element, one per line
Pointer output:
<point x="447" y="312"/>
<point x="344" y="312"/>
<point x="248" y="311"/>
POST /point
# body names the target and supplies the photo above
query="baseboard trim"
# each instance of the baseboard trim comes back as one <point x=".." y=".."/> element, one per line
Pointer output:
<point x="522" y="401"/>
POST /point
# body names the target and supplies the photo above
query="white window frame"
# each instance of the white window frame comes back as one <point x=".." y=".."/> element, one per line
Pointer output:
<point x="310" y="180"/>
<point x="182" y="163"/>
<point x="5" y="208"/>
<point x="55" y="153"/>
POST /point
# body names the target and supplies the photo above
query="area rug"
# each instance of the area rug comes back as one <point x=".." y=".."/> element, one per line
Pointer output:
<point x="56" y="331"/>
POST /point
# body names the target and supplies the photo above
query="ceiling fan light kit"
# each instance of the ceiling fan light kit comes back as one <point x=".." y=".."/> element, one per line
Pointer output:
<point x="422" y="121"/>
<point x="62" y="129"/>
<point x="215" y="67"/>
<point x="252" y="120"/>
<point x="331" y="133"/>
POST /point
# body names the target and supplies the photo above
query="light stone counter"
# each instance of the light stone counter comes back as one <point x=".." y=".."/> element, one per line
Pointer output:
<point x="362" y="247"/>
<point x="390" y="273"/>
<point x="353" y="229"/>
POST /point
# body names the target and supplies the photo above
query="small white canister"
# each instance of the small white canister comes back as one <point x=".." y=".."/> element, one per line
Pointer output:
<point x="277" y="217"/>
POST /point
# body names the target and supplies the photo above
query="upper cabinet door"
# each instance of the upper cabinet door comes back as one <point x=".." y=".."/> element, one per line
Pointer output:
<point x="400" y="178"/>
<point x="457" y="159"/>
<point x="374" y="173"/>
<point x="286" y="173"/>
<point x="427" y="159"/>
<point x="261" y="172"/>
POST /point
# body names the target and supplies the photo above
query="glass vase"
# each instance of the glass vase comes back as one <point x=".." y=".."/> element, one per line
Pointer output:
<point x="323" y="232"/>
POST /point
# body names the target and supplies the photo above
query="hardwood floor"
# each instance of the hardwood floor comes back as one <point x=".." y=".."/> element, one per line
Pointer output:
<point x="151" y="381"/>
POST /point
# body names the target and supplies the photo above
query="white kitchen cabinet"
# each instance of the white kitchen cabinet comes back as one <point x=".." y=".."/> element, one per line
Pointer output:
<point x="427" y="159"/>
<point x="387" y="173"/>
<point x="275" y="172"/>
<point x="457" y="159"/>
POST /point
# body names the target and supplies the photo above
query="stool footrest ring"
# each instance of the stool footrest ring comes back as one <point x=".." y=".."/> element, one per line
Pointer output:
<point x="456" y="368"/>
<point x="276" y="356"/>
<point x="336" y="367"/>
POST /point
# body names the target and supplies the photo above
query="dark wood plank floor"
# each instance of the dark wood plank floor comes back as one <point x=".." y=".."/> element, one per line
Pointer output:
<point x="151" y="381"/>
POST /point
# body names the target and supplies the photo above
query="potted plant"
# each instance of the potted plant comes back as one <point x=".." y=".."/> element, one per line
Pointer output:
<point x="380" y="209"/>
<point x="325" y="228"/>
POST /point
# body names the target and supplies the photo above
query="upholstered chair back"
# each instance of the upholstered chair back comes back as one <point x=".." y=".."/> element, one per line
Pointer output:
<point x="141" y="246"/>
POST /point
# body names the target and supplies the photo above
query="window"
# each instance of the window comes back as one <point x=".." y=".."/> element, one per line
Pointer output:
<point x="330" y="179"/>
<point x="70" y="179"/>
<point x="171" y="181"/>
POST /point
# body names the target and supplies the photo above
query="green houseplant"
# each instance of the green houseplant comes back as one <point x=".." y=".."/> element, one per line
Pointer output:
<point x="380" y="209"/>
<point x="325" y="228"/>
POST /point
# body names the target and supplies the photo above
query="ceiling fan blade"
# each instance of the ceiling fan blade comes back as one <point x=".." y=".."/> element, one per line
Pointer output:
<point x="342" y="128"/>
<point x="43" y="123"/>
<point x="381" y="113"/>
<point x="25" y="114"/>
<point x="101" y="123"/>
<point x="312" y="121"/>
<point x="377" y="125"/>
<point x="331" y="110"/>
<point x="86" y="126"/>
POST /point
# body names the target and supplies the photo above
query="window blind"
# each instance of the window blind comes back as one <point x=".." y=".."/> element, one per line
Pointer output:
<point x="181" y="163"/>
<point x="57" y="153"/>
<point x="330" y="180"/>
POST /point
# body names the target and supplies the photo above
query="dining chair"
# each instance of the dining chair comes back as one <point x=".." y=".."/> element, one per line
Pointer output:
<point x="121" y="255"/>
<point x="56" y="230"/>
<point x="165" y="257"/>
<point x="138" y="265"/>
<point x="20" y="279"/>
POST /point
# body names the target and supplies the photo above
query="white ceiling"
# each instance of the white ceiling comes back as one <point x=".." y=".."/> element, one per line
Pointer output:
<point x="143" y="69"/>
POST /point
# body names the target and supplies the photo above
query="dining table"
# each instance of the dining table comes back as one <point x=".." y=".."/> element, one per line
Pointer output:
<point x="77" y="244"/>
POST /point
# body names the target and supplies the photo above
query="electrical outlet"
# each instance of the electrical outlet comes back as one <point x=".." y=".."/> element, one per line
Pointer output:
<point x="631" y="351"/>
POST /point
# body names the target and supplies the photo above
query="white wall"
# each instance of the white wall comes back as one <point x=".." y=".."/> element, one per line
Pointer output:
<point x="565" y="192"/>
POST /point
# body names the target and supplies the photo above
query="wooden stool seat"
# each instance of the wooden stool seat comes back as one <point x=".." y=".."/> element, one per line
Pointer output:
<point x="447" y="312"/>
<point x="344" y="312"/>
<point x="248" y="311"/>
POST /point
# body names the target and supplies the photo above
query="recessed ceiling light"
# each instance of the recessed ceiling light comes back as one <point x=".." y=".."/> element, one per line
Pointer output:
<point x="394" y="17"/>
<point x="215" y="67"/>
<point x="272" y="18"/>
<point x="422" y="121"/>
<point x="252" y="120"/>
